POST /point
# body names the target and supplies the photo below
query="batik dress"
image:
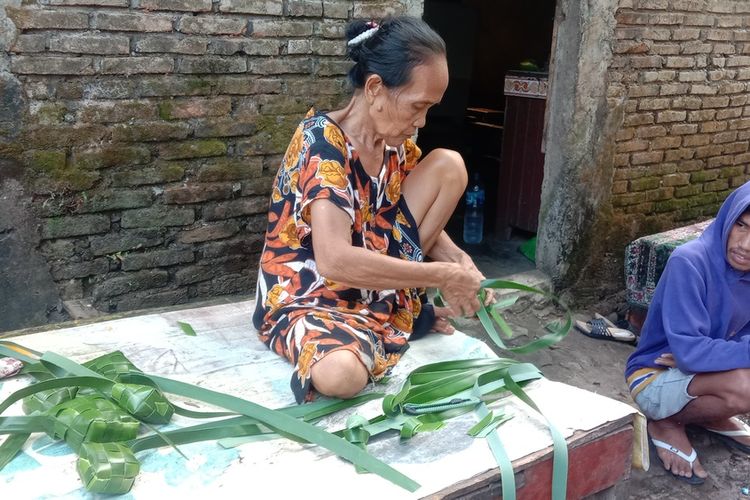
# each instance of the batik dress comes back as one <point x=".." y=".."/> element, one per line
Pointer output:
<point x="300" y="314"/>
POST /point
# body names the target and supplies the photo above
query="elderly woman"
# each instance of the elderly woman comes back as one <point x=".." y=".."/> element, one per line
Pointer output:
<point x="341" y="285"/>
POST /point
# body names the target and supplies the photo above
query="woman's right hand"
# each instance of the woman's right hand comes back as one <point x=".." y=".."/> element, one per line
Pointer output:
<point x="460" y="287"/>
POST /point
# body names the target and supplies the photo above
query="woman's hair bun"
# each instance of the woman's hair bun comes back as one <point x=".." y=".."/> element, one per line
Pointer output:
<point x="353" y="30"/>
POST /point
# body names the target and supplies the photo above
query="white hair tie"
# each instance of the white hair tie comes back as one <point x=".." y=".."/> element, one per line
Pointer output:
<point x="365" y="35"/>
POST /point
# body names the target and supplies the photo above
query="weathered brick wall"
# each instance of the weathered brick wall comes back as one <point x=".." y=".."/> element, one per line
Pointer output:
<point x="148" y="132"/>
<point x="682" y="69"/>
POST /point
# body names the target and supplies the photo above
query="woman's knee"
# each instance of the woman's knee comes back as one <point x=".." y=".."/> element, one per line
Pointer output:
<point x="339" y="374"/>
<point x="451" y="165"/>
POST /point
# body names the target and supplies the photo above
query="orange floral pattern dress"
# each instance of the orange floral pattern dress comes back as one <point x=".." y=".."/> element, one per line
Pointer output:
<point x="300" y="314"/>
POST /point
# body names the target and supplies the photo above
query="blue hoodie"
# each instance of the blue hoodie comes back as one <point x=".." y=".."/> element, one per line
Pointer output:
<point x="701" y="308"/>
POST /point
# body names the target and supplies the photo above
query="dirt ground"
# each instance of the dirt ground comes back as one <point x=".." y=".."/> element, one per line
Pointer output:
<point x="598" y="366"/>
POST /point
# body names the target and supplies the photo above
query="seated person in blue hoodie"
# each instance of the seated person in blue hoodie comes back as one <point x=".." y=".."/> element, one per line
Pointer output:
<point x="692" y="363"/>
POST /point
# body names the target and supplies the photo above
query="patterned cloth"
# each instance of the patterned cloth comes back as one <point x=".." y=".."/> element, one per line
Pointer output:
<point x="9" y="367"/>
<point x="300" y="314"/>
<point x="646" y="257"/>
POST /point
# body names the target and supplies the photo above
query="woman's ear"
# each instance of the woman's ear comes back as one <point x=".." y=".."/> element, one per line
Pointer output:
<point x="373" y="86"/>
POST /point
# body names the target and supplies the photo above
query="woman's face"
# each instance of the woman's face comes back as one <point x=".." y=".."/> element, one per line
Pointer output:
<point x="398" y="112"/>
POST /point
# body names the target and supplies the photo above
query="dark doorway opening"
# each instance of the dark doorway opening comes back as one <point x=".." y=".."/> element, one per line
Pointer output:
<point x="489" y="40"/>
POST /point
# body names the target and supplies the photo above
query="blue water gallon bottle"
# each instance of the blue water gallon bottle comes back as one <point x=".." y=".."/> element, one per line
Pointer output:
<point x="474" y="213"/>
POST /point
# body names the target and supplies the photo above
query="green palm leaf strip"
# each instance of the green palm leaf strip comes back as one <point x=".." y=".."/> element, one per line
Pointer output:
<point x="279" y="422"/>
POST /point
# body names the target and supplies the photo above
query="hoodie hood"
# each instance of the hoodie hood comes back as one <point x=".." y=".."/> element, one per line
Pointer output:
<point x="716" y="235"/>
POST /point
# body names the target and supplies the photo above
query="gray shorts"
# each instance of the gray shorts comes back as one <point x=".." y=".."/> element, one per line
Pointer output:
<point x="666" y="395"/>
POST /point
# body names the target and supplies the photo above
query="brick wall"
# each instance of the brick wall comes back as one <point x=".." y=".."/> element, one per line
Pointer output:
<point x="149" y="131"/>
<point x="682" y="70"/>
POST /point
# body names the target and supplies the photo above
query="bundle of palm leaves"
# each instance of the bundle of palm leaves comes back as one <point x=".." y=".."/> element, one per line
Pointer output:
<point x="99" y="407"/>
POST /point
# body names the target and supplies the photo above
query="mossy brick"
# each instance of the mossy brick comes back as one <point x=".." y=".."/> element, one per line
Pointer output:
<point x="194" y="107"/>
<point x="263" y="7"/>
<point x="284" y="104"/>
<point x="281" y="28"/>
<point x="58" y="249"/>
<point x="192" y="149"/>
<point x="703" y="176"/>
<point x="194" y="274"/>
<point x="209" y="232"/>
<point x="619" y="187"/>
<point x="236" y="208"/>
<point x="690" y="165"/>
<point x="242" y="85"/>
<point x="111" y="156"/>
<point x="732" y="172"/>
<point x="724" y="137"/>
<point x="132" y="261"/>
<point x="659" y="194"/>
<point x="281" y="66"/>
<point x="121" y="283"/>
<point x="76" y="225"/>
<point x="224" y="127"/>
<point x="136" y="65"/>
<point x="261" y="185"/>
<point x="157" y="217"/>
<point x="719" y="161"/>
<point x="144" y="300"/>
<point x="329" y="67"/>
<point x="646" y="157"/>
<point x="169" y="44"/>
<point x="48" y="161"/>
<point x="708" y="151"/>
<point x="197" y="193"/>
<point x="273" y="136"/>
<point x="55" y="136"/>
<point x="334" y="9"/>
<point x="644" y="184"/>
<point x="68" y="270"/>
<point x="117" y="199"/>
<point x="52" y="65"/>
<point x="161" y="172"/>
<point x="717" y="185"/>
<point x="255" y="47"/>
<point x="111" y="21"/>
<point x="178" y="5"/>
<point x="239" y="245"/>
<point x="125" y="240"/>
<point x="212" y="25"/>
<point x="90" y="3"/>
<point x="26" y="19"/>
<point x="175" y="85"/>
<point x="65" y="180"/>
<point x="229" y="169"/>
<point x="680" y="179"/>
<point x="736" y="182"/>
<point x="226" y="46"/>
<point x="688" y="214"/>
<point x="628" y="199"/>
<point x="48" y="113"/>
<point x="90" y="44"/>
<point x="257" y="224"/>
<point x="671" y="205"/>
<point x="211" y="64"/>
<point x="116" y="111"/>
<point x="150" y="131"/>
<point x="702" y="199"/>
<point x="305" y="8"/>
<point x="225" y="285"/>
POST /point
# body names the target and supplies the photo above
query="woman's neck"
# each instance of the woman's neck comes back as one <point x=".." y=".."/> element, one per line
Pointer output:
<point x="355" y="120"/>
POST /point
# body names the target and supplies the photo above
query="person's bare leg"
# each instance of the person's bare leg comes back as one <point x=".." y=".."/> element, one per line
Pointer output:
<point x="432" y="191"/>
<point x="720" y="396"/>
<point x="340" y="374"/>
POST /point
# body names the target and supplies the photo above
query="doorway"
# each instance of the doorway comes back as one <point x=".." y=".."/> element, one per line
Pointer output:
<point x="490" y="42"/>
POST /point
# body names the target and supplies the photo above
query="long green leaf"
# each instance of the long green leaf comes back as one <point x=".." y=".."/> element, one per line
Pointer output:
<point x="288" y="425"/>
<point x="11" y="447"/>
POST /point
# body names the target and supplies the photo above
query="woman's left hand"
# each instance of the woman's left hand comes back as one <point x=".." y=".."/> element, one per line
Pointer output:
<point x="442" y="325"/>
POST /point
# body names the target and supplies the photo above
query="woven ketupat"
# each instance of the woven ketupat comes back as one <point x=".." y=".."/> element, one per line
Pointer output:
<point x="107" y="467"/>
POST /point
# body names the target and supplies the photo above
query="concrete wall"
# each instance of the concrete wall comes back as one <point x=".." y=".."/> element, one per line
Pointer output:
<point x="143" y="135"/>
<point x="649" y="128"/>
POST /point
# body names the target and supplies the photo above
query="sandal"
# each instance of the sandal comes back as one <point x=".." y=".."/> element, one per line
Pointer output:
<point x="694" y="480"/>
<point x="601" y="328"/>
<point x="726" y="437"/>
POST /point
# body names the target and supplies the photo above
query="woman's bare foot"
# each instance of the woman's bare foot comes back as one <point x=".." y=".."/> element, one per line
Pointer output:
<point x="674" y="434"/>
<point x="442" y="325"/>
